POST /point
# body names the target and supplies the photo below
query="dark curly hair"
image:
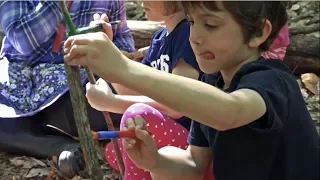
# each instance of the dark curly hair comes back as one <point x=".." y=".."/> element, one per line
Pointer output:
<point x="250" y="15"/>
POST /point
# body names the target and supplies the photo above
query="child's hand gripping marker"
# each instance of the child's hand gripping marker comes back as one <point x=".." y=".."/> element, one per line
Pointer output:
<point x="74" y="31"/>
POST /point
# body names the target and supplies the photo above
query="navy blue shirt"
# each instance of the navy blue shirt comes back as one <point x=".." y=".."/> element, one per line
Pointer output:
<point x="166" y="49"/>
<point x="281" y="145"/>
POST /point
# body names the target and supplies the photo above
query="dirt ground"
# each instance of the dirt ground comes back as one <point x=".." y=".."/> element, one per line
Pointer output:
<point x="28" y="168"/>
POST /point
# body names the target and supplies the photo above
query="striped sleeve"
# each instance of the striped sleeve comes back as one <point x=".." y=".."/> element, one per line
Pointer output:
<point x="27" y="26"/>
<point x="122" y="36"/>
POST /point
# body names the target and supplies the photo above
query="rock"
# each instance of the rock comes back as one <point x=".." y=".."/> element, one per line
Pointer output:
<point x="295" y="7"/>
<point x="311" y="82"/>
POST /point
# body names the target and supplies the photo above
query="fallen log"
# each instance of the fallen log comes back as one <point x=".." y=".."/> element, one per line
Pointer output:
<point x="142" y="31"/>
<point x="306" y="46"/>
<point x="305" y="29"/>
<point x="301" y="65"/>
<point x="302" y="53"/>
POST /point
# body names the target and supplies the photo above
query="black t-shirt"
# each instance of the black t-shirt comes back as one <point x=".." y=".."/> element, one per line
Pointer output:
<point x="281" y="145"/>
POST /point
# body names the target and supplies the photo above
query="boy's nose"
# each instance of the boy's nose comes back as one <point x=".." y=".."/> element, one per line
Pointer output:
<point x="196" y="37"/>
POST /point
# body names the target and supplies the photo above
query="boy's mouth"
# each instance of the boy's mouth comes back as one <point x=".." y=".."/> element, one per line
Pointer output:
<point x="206" y="55"/>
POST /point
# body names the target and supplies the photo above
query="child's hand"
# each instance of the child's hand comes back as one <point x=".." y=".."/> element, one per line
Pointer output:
<point x="96" y="51"/>
<point x="103" y="19"/>
<point x="141" y="52"/>
<point x="100" y="95"/>
<point x="142" y="150"/>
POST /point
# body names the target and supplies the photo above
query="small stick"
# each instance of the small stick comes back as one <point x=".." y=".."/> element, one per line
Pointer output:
<point x="110" y="126"/>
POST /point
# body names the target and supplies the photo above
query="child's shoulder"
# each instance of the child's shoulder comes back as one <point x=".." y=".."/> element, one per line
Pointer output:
<point x="182" y="29"/>
<point x="159" y="34"/>
<point x="265" y="67"/>
<point x="267" y="72"/>
<point x="262" y="72"/>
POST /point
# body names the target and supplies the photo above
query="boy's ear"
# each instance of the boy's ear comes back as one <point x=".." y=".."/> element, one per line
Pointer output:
<point x="257" y="39"/>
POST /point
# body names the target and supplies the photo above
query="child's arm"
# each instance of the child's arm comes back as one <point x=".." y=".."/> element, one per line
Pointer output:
<point x="197" y="100"/>
<point x="124" y="100"/>
<point x="182" y="69"/>
<point x="120" y="89"/>
<point x="189" y="164"/>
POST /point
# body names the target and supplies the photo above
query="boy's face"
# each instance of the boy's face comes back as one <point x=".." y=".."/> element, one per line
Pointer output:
<point x="154" y="10"/>
<point x="217" y="40"/>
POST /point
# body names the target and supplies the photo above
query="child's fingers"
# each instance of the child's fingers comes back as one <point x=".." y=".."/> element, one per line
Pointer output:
<point x="104" y="17"/>
<point x="88" y="87"/>
<point x="126" y="144"/>
<point x="106" y="27"/>
<point x="75" y="51"/>
<point x="93" y="23"/>
<point x="96" y="17"/>
<point x="141" y="130"/>
<point x="66" y="50"/>
<point x="78" y="55"/>
<point x="74" y="40"/>
<point x="130" y="123"/>
<point x="139" y="121"/>
<point x="143" y="135"/>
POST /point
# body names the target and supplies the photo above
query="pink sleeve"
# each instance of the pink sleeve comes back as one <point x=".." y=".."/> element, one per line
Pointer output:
<point x="282" y="40"/>
<point x="277" y="49"/>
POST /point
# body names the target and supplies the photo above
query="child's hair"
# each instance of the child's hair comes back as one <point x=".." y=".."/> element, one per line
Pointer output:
<point x="171" y="7"/>
<point x="249" y="14"/>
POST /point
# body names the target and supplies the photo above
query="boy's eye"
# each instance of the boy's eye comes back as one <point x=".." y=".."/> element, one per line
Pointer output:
<point x="210" y="26"/>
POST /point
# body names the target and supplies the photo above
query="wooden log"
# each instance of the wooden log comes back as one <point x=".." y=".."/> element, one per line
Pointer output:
<point x="306" y="46"/>
<point x="315" y="19"/>
<point x="303" y="54"/>
<point x="301" y="65"/>
<point x="142" y="31"/>
<point x="305" y="29"/>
